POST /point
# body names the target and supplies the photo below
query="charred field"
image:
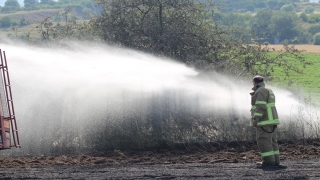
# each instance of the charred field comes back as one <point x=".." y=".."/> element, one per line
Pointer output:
<point x="211" y="161"/>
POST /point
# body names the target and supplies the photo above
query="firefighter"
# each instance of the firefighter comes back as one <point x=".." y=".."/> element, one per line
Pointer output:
<point x="264" y="118"/>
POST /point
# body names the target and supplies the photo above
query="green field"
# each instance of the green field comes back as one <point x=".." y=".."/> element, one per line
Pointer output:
<point x="308" y="83"/>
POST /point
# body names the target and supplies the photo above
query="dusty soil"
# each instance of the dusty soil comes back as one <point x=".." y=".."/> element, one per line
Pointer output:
<point x="305" y="47"/>
<point x="229" y="161"/>
<point x="217" y="161"/>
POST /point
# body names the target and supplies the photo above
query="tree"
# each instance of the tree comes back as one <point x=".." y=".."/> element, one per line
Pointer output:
<point x="314" y="29"/>
<point x="249" y="7"/>
<point x="30" y="3"/>
<point x="63" y="1"/>
<point x="177" y="29"/>
<point x="261" y="24"/>
<point x="260" y="5"/>
<point x="316" y="39"/>
<point x="13" y="5"/>
<point x="6" y="22"/>
<point x="308" y="9"/>
<point x="303" y="16"/>
<point x="272" y="3"/>
<point x="285" y="25"/>
<point x="47" y="1"/>
<point x="313" y="18"/>
<point x="23" y="22"/>
<point x="288" y="8"/>
<point x="281" y="3"/>
<point x="6" y="9"/>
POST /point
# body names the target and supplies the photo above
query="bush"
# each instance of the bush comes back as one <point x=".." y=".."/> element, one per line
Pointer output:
<point x="316" y="39"/>
<point x="260" y="5"/>
<point x="303" y="16"/>
<point x="13" y="4"/>
<point x="6" y="22"/>
<point x="314" y="29"/>
<point x="23" y="22"/>
<point x="313" y="18"/>
<point x="308" y="9"/>
<point x="288" y="8"/>
<point x="6" y="9"/>
<point x="249" y="7"/>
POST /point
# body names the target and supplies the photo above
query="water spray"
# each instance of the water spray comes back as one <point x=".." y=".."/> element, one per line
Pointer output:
<point x="91" y="95"/>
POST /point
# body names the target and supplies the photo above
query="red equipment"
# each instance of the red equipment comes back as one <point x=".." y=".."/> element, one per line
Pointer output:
<point x="8" y="124"/>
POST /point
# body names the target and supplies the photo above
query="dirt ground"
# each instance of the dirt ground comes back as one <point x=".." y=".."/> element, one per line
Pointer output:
<point x="310" y="48"/>
<point x="235" y="161"/>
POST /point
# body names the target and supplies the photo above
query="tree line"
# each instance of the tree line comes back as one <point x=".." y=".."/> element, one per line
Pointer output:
<point x="13" y="5"/>
<point x="256" y="5"/>
<point x="268" y="26"/>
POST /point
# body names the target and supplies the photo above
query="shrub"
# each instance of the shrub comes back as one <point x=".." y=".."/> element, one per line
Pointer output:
<point x="308" y="9"/>
<point x="313" y="18"/>
<point x="303" y="16"/>
<point x="314" y="29"/>
<point x="260" y="5"/>
<point x="288" y="8"/>
<point x="250" y="7"/>
<point x="13" y="4"/>
<point x="6" y="9"/>
<point x="316" y="39"/>
<point x="6" y="22"/>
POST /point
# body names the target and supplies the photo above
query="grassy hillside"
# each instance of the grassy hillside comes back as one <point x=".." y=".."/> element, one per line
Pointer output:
<point x="307" y="83"/>
<point x="32" y="16"/>
<point x="19" y="31"/>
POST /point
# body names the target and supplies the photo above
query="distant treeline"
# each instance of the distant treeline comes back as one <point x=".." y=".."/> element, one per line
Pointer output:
<point x="11" y="6"/>
<point x="272" y="26"/>
<point x="249" y="5"/>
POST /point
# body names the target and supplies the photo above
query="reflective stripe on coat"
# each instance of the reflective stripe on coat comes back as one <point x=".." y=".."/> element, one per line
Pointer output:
<point x="263" y="107"/>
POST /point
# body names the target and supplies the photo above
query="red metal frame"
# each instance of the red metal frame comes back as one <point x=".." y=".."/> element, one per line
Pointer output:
<point x="7" y="121"/>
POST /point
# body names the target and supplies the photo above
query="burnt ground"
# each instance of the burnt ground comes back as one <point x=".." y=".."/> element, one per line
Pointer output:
<point x="235" y="161"/>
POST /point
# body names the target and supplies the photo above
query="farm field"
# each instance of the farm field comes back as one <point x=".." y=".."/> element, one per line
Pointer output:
<point x="32" y="16"/>
<point x="307" y="83"/>
<point x="308" y="48"/>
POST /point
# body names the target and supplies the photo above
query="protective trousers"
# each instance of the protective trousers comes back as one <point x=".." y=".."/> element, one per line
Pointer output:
<point x="268" y="145"/>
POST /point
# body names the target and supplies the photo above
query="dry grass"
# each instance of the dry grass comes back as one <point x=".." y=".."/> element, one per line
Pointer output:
<point x="33" y="16"/>
<point x="310" y="48"/>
